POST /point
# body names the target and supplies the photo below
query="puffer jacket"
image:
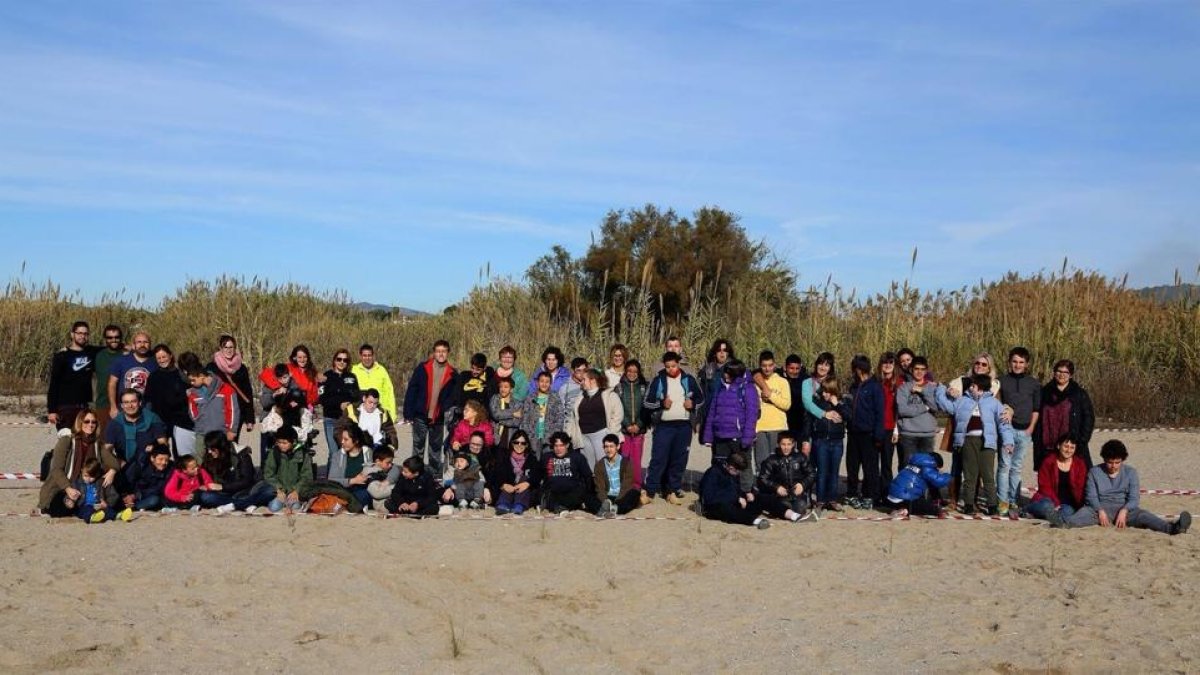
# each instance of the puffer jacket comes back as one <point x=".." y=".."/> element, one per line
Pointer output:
<point x="732" y="413"/>
<point x="917" y="477"/>
<point x="783" y="471"/>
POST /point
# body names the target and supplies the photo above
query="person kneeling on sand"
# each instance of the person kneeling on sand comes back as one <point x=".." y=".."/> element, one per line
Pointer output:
<point x="785" y="482"/>
<point x="910" y="488"/>
<point x="721" y="497"/>
<point x="1112" y="497"/>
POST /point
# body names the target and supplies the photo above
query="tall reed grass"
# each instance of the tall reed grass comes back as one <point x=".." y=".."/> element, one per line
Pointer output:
<point x="1139" y="359"/>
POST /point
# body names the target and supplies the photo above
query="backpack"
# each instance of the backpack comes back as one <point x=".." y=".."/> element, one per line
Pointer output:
<point x="327" y="504"/>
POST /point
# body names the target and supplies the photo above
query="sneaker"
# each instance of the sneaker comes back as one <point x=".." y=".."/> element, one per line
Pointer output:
<point x="475" y="505"/>
<point x="833" y="506"/>
<point x="1014" y="513"/>
<point x="462" y="504"/>
<point x="97" y="517"/>
<point x="1183" y="524"/>
<point x="1055" y="519"/>
<point x="606" y="509"/>
<point x="251" y="509"/>
<point x="1002" y="509"/>
<point x="126" y="515"/>
<point x="169" y="509"/>
<point x="679" y="494"/>
<point x="195" y="509"/>
<point x="646" y="498"/>
<point x="501" y="511"/>
<point x="673" y="498"/>
<point x="518" y="510"/>
<point x="225" y="508"/>
<point x="762" y="523"/>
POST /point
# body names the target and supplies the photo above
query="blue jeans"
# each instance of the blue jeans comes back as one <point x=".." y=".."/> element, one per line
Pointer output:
<point x="260" y="495"/>
<point x="330" y="441"/>
<point x="1041" y="509"/>
<point x="668" y="457"/>
<point x="1008" y="470"/>
<point x="436" y="435"/>
<point x="828" y="453"/>
<point x="208" y="499"/>
<point x="148" y="503"/>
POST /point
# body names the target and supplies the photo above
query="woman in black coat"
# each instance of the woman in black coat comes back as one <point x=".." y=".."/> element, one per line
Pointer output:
<point x="1066" y="409"/>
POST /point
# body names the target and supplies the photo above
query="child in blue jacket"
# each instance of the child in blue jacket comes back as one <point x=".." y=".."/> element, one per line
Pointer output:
<point x="721" y="496"/>
<point x="910" y="487"/>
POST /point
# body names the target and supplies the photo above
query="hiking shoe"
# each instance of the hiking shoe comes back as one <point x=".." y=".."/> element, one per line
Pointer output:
<point x="762" y="523"/>
<point x="1055" y="519"/>
<point x="126" y="515"/>
<point x="97" y="517"/>
<point x="1182" y="524"/>
<point x="673" y="498"/>
<point x="646" y="498"/>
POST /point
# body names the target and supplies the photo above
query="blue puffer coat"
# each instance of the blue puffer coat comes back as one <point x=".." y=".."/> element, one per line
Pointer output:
<point x="916" y="478"/>
<point x="732" y="412"/>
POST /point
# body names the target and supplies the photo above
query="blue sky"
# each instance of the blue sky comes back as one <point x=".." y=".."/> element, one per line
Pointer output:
<point x="394" y="149"/>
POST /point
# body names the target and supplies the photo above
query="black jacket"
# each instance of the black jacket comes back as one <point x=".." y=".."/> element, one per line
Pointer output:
<point x="420" y="489"/>
<point x="821" y="428"/>
<point x="166" y="395"/>
<point x="240" y="381"/>
<point x="777" y="471"/>
<point x="143" y="480"/>
<point x="235" y="477"/>
<point x="502" y="471"/>
<point x="717" y="486"/>
<point x="797" y="415"/>
<point x="1082" y="420"/>
<point x="566" y="472"/>
<point x="336" y="390"/>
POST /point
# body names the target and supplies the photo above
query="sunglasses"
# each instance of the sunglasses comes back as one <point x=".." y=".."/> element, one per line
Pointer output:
<point x="519" y="443"/>
<point x="341" y="359"/>
<point x="982" y="363"/>
<point x="89" y="422"/>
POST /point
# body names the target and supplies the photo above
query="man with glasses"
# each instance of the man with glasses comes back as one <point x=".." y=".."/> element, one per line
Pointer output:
<point x="131" y="371"/>
<point x="133" y="433"/>
<point x="71" y="371"/>
<point x="113" y="349"/>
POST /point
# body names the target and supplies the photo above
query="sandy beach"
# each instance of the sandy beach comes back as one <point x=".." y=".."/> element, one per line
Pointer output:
<point x="308" y="593"/>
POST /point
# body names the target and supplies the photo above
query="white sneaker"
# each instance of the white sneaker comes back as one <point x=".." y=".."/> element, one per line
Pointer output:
<point x="251" y="509"/>
<point x="195" y="509"/>
<point x="225" y="508"/>
<point x="169" y="509"/>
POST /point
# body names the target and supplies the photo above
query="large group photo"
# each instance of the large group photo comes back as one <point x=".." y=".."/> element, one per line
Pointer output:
<point x="625" y="337"/>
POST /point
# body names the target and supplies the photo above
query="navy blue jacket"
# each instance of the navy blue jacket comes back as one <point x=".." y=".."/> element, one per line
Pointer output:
<point x="144" y="480"/>
<point x="719" y="487"/>
<point x="866" y="409"/>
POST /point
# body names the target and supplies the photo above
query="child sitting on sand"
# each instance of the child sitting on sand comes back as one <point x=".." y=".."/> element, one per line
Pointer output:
<point x="288" y="470"/>
<point x="785" y="482"/>
<point x="614" y="480"/>
<point x="95" y="502"/>
<point x="190" y="486"/>
<point x="381" y="475"/>
<point x="567" y="485"/>
<point x="415" y="492"/>
<point x="721" y="497"/>
<point x="146" y="481"/>
<point x="467" y="489"/>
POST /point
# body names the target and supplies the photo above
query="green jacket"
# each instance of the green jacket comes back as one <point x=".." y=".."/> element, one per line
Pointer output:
<point x="289" y="472"/>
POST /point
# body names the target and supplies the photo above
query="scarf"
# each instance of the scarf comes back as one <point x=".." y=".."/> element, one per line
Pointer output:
<point x="518" y="464"/>
<point x="230" y="365"/>
<point x="131" y="432"/>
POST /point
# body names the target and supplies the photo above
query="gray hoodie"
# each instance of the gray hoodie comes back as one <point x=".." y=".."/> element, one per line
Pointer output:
<point x="915" y="411"/>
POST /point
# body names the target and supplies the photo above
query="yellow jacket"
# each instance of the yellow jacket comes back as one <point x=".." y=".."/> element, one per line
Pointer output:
<point x="377" y="378"/>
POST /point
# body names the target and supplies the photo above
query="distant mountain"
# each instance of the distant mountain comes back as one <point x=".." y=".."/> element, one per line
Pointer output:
<point x="1172" y="293"/>
<point x="388" y="309"/>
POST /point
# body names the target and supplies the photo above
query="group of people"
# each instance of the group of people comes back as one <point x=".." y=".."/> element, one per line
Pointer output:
<point x="140" y="429"/>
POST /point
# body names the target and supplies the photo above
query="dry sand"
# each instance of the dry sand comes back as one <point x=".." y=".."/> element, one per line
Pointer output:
<point x="306" y="594"/>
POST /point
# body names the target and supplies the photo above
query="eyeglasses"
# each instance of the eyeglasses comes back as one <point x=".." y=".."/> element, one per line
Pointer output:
<point x="341" y="359"/>
<point x="520" y="443"/>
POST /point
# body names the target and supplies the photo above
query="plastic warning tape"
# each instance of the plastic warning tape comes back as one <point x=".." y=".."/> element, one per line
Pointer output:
<point x="19" y="475"/>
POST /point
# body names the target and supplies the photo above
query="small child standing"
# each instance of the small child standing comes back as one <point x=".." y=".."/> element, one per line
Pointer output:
<point x="467" y="489"/>
<point x="828" y="434"/>
<point x="94" y="502"/>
